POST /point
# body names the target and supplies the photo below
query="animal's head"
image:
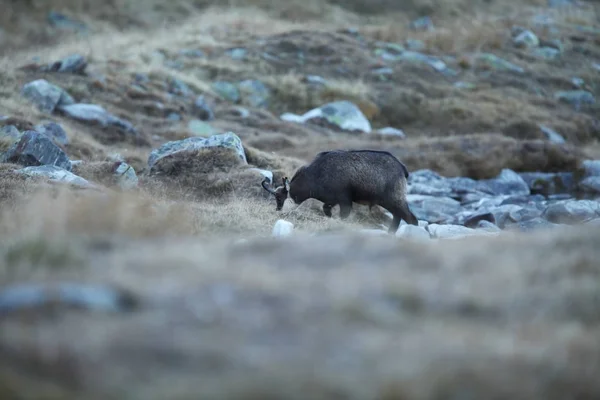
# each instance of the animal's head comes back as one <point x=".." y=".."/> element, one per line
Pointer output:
<point x="280" y="193"/>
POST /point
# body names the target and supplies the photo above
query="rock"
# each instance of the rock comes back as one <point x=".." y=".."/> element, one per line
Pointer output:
<point x="535" y="224"/>
<point x="422" y="24"/>
<point x="227" y="90"/>
<point x="61" y="21"/>
<point x="95" y="113"/>
<point x="174" y="117"/>
<point x="508" y="182"/>
<point x="495" y="62"/>
<point x="74" y="64"/>
<point x="202" y="110"/>
<point x="524" y="214"/>
<point x="526" y="39"/>
<point x="34" y="149"/>
<point x="572" y="211"/>
<point x="412" y="232"/>
<point x="552" y="135"/>
<point x="200" y="128"/>
<point x="391" y="132"/>
<point x="238" y="53"/>
<point x="473" y="221"/>
<point x="429" y="190"/>
<point x="433" y="209"/>
<point x="415" y="44"/>
<point x="591" y="168"/>
<point x="373" y="232"/>
<point x="10" y="133"/>
<point x="414" y="56"/>
<point x="282" y="228"/>
<point x="178" y="87"/>
<point x="591" y="184"/>
<point x="344" y="114"/>
<point x="29" y="296"/>
<point x="46" y="96"/>
<point x="487" y="226"/>
<point x="227" y="140"/>
<point x="547" y="183"/>
<point x="575" y="97"/>
<point x="546" y="53"/>
<point x="126" y="177"/>
<point x="58" y="175"/>
<point x="451" y="231"/>
<point x="254" y="92"/>
<point x="54" y="131"/>
<point x="264" y="173"/>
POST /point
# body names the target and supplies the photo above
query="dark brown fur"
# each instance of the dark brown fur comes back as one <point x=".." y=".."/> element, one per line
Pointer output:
<point x="341" y="177"/>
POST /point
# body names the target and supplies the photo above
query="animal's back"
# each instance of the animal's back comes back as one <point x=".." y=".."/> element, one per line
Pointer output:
<point x="364" y="162"/>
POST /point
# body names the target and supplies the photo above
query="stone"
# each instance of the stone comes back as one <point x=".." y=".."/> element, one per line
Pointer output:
<point x="46" y="96"/>
<point x="575" y="97"/>
<point x="178" y="87"/>
<point x="452" y="231"/>
<point x="238" y="53"/>
<point x="54" y="131"/>
<point x="552" y="135"/>
<point x="548" y="183"/>
<point x="202" y="110"/>
<point x="61" y="21"/>
<point x="412" y="232"/>
<point x="591" y="184"/>
<point x="264" y="173"/>
<point x="345" y="114"/>
<point x="125" y="177"/>
<point x="200" y="128"/>
<point x="10" y="133"/>
<point x="74" y="64"/>
<point x="415" y="44"/>
<point x="473" y="220"/>
<point x="534" y="225"/>
<point x="572" y="211"/>
<point x="34" y="149"/>
<point x="526" y="39"/>
<point x="422" y="24"/>
<point x="227" y="140"/>
<point x="28" y="296"/>
<point x="282" y="228"/>
<point x="433" y="209"/>
<point x="493" y="61"/>
<point x="508" y="182"/>
<point x="254" y="92"/>
<point x="227" y="90"/>
<point x="58" y="175"/>
<point x="487" y="226"/>
<point x="591" y="168"/>
<point x="546" y="53"/>
<point x="414" y="56"/>
<point x="95" y="113"/>
<point x="389" y="131"/>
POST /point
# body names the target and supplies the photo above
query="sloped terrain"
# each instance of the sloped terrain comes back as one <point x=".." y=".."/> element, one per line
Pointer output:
<point x="136" y="240"/>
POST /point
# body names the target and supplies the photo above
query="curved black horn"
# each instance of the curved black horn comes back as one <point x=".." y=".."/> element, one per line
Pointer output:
<point x="264" y="185"/>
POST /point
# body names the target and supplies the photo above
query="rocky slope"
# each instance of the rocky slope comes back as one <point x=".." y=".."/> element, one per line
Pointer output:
<point x="124" y="143"/>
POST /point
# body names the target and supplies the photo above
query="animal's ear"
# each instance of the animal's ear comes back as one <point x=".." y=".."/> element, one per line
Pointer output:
<point x="286" y="184"/>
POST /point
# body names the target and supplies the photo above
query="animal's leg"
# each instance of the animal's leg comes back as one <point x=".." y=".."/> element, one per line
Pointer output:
<point x="327" y="209"/>
<point x="400" y="212"/>
<point x="407" y="215"/>
<point x="345" y="209"/>
<point x="395" y="224"/>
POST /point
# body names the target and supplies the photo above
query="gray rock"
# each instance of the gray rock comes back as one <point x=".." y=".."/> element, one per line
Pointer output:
<point x="391" y="132"/>
<point x="502" y="214"/>
<point x="548" y="183"/>
<point x="21" y="297"/>
<point x="202" y="110"/>
<point x="264" y="173"/>
<point x="487" y="226"/>
<point x="546" y="53"/>
<point x="422" y="24"/>
<point x="453" y="231"/>
<point x="282" y="228"/>
<point x="508" y="182"/>
<point x="526" y="39"/>
<point x="254" y="92"/>
<point x="58" y="175"/>
<point x="415" y="44"/>
<point x="95" y="113"/>
<point x="535" y="224"/>
<point x="238" y="53"/>
<point x="227" y="140"/>
<point x="552" y="135"/>
<point x="495" y="62"/>
<point x="46" y="96"/>
<point x="74" y="64"/>
<point x="575" y="97"/>
<point x="412" y="232"/>
<point x="227" y="90"/>
<point x="591" y="168"/>
<point x="416" y="57"/>
<point x="54" y="131"/>
<point x="315" y="80"/>
<point x="200" y="128"/>
<point x="572" y="211"/>
<point x="10" y="133"/>
<point x="591" y="184"/>
<point x="474" y="220"/>
<point x="174" y="117"/>
<point x="429" y="190"/>
<point x="522" y="200"/>
<point x="344" y="114"/>
<point x="178" y="87"/>
<point x="34" y="149"/>
<point x="433" y="209"/>
<point x="126" y="177"/>
<point x="524" y="214"/>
